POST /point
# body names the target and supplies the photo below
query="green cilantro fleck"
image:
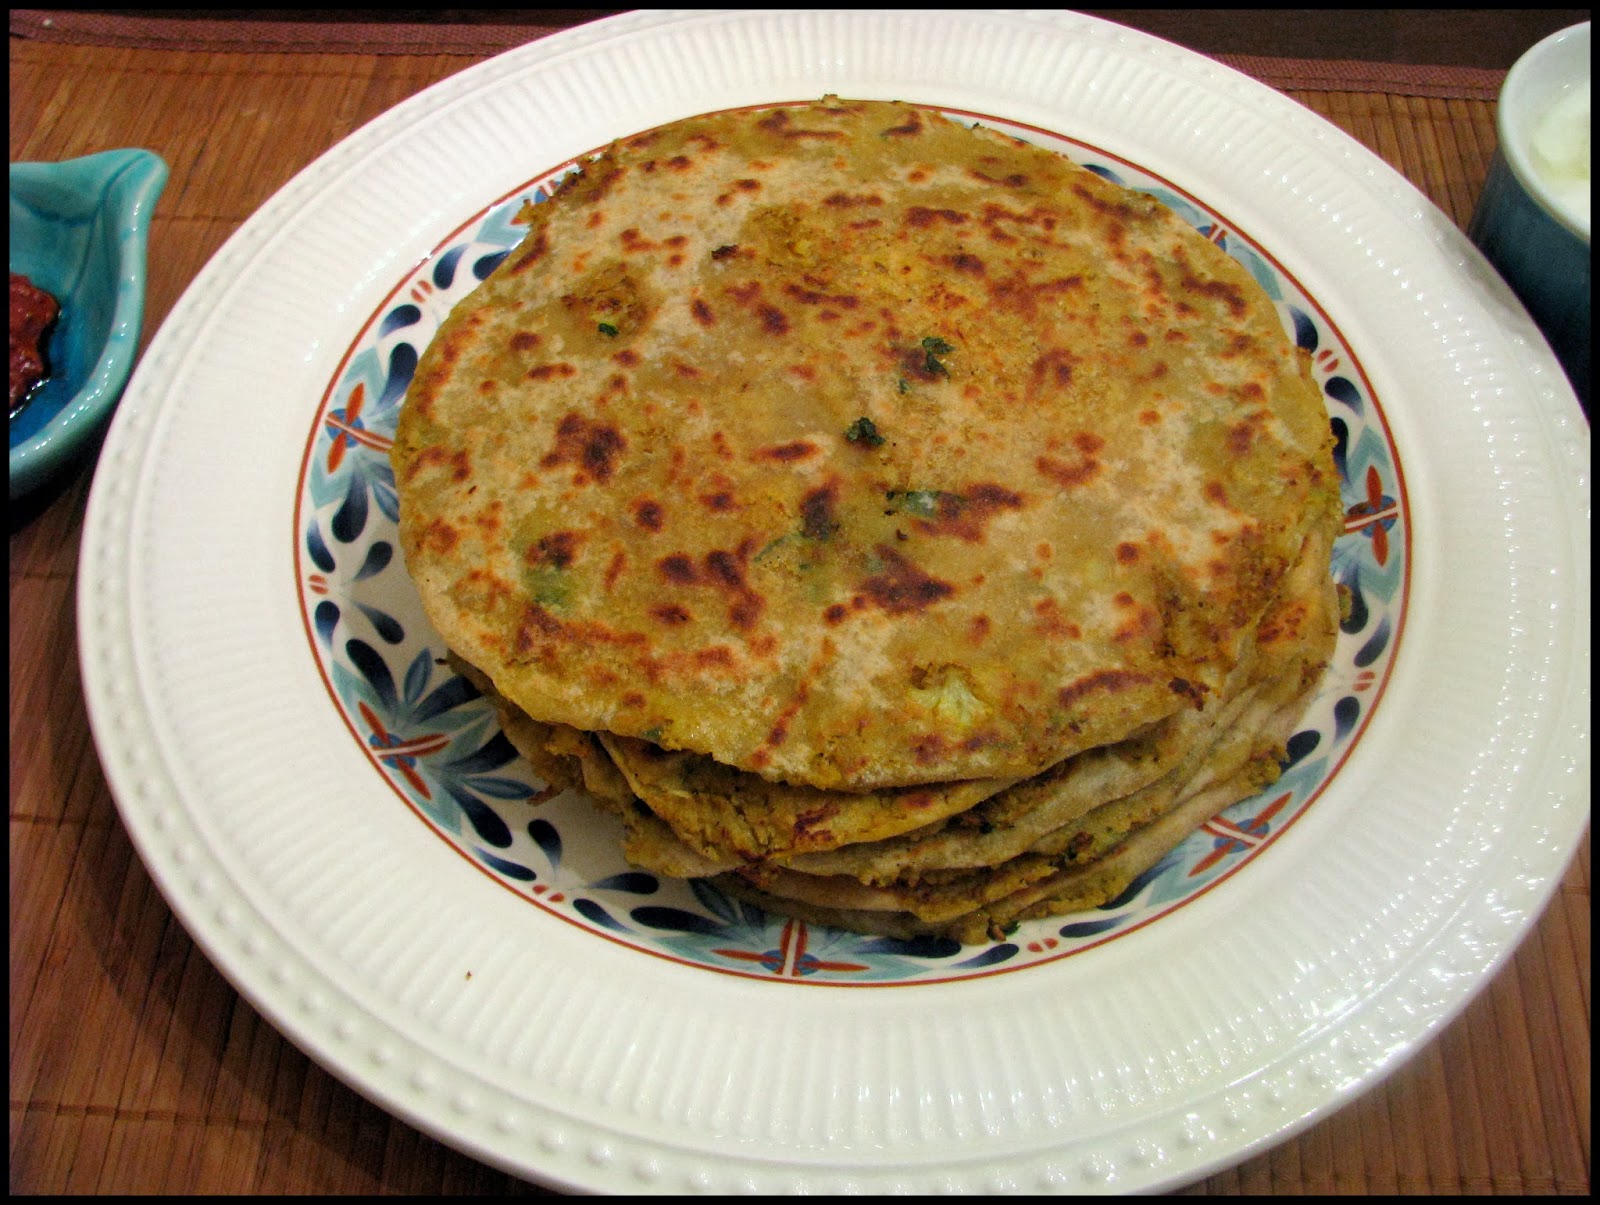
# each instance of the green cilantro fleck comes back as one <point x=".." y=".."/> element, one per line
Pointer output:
<point x="607" y="329"/>
<point x="933" y="347"/>
<point x="905" y="385"/>
<point x="770" y="548"/>
<point x="864" y="433"/>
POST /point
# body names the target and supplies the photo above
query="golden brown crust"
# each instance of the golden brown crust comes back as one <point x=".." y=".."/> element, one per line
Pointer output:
<point x="893" y="522"/>
<point x="858" y="450"/>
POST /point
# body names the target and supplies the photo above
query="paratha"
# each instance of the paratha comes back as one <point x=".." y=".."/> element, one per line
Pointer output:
<point x="1071" y="888"/>
<point x="856" y="449"/>
<point x="889" y="520"/>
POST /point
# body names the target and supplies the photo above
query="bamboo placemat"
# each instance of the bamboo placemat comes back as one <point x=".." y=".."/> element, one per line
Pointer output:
<point x="136" y="1068"/>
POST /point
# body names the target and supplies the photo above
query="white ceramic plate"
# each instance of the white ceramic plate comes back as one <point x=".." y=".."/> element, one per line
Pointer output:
<point x="275" y="816"/>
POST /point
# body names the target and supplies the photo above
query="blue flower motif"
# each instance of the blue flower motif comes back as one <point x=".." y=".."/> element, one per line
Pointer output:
<point x="441" y="750"/>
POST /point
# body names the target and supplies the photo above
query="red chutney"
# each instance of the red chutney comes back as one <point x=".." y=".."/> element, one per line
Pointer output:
<point x="33" y="312"/>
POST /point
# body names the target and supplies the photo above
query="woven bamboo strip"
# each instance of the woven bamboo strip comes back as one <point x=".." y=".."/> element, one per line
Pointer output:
<point x="1423" y="1112"/>
<point x="1541" y="967"/>
<point x="1285" y="1170"/>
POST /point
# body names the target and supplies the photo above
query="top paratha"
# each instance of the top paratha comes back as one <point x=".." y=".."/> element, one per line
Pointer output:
<point x="857" y="449"/>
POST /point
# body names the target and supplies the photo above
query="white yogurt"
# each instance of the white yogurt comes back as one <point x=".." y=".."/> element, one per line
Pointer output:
<point x="1560" y="153"/>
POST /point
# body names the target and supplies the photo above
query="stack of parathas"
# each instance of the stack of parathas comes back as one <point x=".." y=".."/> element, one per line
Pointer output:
<point x="893" y="520"/>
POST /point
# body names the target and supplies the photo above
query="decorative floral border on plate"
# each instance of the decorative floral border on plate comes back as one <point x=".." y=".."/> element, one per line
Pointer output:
<point x="437" y="743"/>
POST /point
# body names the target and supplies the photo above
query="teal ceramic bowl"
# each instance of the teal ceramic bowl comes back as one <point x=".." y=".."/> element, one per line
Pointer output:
<point x="79" y="231"/>
<point x="1538" y="241"/>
